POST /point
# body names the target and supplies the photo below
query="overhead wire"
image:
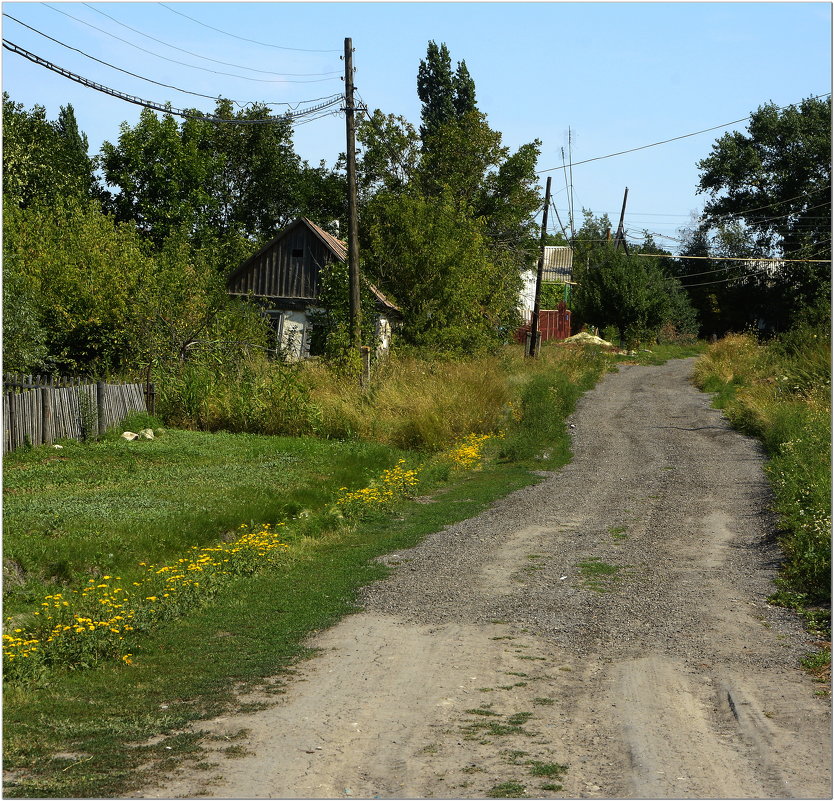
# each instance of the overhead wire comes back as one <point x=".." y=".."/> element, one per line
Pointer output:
<point x="207" y="58"/>
<point x="113" y="66"/>
<point x="164" y="108"/>
<point x="244" y="39"/>
<point x="673" y="139"/>
<point x="183" y="63"/>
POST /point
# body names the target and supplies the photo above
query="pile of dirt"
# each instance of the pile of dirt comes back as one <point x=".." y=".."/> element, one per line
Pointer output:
<point x="584" y="338"/>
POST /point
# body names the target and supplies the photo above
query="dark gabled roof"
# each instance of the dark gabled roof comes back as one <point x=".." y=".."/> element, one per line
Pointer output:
<point x="336" y="246"/>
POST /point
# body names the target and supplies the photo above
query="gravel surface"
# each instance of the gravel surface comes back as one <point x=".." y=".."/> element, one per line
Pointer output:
<point x="612" y="619"/>
<point x="651" y="457"/>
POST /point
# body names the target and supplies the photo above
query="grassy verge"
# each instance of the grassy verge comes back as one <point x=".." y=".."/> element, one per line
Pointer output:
<point x="75" y="734"/>
<point x="89" y="519"/>
<point x="661" y="353"/>
<point x="780" y="393"/>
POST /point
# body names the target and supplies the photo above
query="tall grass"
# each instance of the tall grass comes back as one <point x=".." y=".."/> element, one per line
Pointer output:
<point x="411" y="403"/>
<point x="781" y="393"/>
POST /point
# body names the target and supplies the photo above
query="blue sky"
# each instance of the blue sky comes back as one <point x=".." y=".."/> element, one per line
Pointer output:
<point x="619" y="75"/>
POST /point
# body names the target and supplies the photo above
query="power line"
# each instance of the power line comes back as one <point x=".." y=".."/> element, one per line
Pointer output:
<point x="183" y="63"/>
<point x="722" y="280"/>
<point x="206" y="58"/>
<point x="673" y="139"/>
<point x="736" y="258"/>
<point x="113" y="66"/>
<point x="165" y="109"/>
<point x="243" y="39"/>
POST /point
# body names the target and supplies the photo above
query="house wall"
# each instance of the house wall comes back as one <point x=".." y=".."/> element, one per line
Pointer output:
<point x="293" y="334"/>
<point x="288" y="269"/>
<point x="527" y="295"/>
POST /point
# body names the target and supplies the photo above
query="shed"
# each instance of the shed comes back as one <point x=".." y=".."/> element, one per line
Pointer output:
<point x="284" y="277"/>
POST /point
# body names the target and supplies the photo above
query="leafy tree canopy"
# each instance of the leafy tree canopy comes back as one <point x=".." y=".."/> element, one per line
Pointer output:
<point x="632" y="294"/>
<point x="776" y="178"/>
<point x="43" y="161"/>
<point x="770" y="195"/>
<point x="432" y="259"/>
<point x="445" y="95"/>
<point x="229" y="186"/>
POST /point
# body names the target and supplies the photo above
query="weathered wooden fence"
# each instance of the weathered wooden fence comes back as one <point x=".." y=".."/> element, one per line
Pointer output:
<point x="41" y="409"/>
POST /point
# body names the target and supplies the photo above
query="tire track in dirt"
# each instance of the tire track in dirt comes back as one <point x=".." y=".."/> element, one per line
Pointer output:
<point x="612" y="618"/>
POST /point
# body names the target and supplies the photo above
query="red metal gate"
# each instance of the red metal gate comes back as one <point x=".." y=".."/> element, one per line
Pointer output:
<point x="553" y="324"/>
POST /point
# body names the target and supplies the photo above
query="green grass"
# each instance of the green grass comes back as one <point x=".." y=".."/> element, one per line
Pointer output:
<point x="507" y="790"/>
<point x="94" y="509"/>
<point x="550" y="770"/>
<point x="101" y="508"/>
<point x="656" y="355"/>
<point x="598" y="575"/>
<point x="253" y="631"/>
<point x="780" y="393"/>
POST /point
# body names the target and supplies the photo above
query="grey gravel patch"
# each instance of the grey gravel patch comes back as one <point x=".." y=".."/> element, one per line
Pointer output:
<point x="653" y="457"/>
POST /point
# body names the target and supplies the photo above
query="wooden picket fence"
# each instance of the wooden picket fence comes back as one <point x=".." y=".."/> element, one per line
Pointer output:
<point x="42" y="409"/>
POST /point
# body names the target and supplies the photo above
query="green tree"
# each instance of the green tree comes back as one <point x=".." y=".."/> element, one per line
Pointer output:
<point x="632" y="294"/>
<point x="464" y="99"/>
<point x="433" y="259"/>
<point x="24" y="336"/>
<point x="81" y="276"/>
<point x="163" y="176"/>
<point x="331" y="335"/>
<point x="390" y="153"/>
<point x="776" y="181"/>
<point x="43" y="161"/>
<point x="436" y="90"/>
<point x="590" y="237"/>
<point x="231" y="186"/>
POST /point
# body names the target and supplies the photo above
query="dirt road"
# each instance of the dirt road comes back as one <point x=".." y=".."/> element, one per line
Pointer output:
<point x="611" y="619"/>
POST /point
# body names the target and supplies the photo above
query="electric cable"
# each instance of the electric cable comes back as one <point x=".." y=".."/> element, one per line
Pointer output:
<point x="165" y="109"/>
<point x="674" y="138"/>
<point x="244" y="39"/>
<point x="113" y="66"/>
<point x="206" y="58"/>
<point x="183" y="63"/>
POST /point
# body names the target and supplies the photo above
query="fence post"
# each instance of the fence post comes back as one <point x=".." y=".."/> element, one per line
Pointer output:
<point x="47" y="421"/>
<point x="365" y="378"/>
<point x="102" y="425"/>
<point x="150" y="397"/>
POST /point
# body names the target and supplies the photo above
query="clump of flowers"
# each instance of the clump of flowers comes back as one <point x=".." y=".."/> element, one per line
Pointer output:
<point x="468" y="453"/>
<point x="379" y="496"/>
<point x="92" y="624"/>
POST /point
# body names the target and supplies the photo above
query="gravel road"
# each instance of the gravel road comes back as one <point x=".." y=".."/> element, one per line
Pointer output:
<point x="611" y="619"/>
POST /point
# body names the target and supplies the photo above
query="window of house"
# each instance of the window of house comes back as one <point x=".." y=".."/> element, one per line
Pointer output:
<point x="298" y="253"/>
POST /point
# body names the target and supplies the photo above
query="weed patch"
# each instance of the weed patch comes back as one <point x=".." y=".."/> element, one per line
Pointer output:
<point x="780" y="393"/>
<point x="507" y="790"/>
<point x="598" y="575"/>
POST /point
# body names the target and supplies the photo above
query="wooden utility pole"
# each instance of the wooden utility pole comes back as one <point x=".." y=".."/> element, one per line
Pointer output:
<point x="535" y="336"/>
<point x="620" y="238"/>
<point x="353" y="216"/>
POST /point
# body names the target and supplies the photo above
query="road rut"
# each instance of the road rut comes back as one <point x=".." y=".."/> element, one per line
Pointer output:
<point x="612" y="619"/>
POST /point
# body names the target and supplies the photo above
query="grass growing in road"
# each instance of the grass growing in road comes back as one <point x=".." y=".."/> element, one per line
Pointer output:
<point x="598" y="575"/>
<point x="660" y="354"/>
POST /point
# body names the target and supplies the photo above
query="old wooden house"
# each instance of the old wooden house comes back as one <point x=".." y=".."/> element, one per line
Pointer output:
<point x="284" y="277"/>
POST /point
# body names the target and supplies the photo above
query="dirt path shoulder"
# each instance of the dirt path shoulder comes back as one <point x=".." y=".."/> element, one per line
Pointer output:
<point x="611" y="619"/>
